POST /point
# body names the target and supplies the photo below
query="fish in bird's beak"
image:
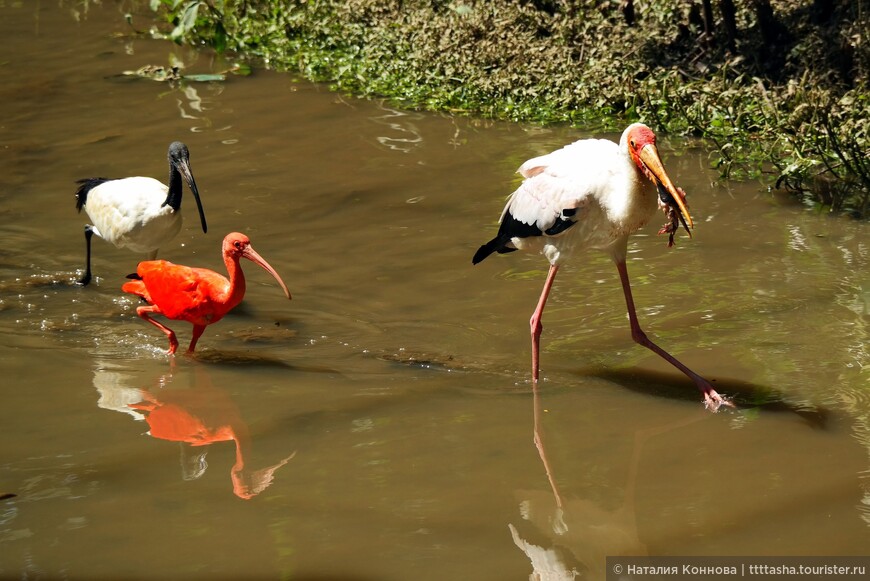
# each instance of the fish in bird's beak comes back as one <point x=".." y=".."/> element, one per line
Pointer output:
<point x="252" y="255"/>
<point x="668" y="194"/>
<point x="671" y="210"/>
<point x="184" y="168"/>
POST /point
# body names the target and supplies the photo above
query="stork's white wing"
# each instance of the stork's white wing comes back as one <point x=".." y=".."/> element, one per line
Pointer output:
<point x="561" y="182"/>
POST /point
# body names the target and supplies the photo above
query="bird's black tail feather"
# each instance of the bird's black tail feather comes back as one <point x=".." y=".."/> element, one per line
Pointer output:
<point x="85" y="186"/>
<point x="485" y="250"/>
<point x="497" y="244"/>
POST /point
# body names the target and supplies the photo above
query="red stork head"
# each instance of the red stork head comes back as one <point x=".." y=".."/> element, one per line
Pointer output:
<point x="641" y="144"/>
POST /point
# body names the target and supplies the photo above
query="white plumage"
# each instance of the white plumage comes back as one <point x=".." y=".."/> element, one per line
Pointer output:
<point x="130" y="214"/>
<point x="592" y="193"/>
<point x="598" y="181"/>
<point x="138" y="213"/>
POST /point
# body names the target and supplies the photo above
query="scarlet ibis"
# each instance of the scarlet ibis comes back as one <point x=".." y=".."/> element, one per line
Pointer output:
<point x="196" y="295"/>
<point x="138" y="213"/>
<point x="593" y="193"/>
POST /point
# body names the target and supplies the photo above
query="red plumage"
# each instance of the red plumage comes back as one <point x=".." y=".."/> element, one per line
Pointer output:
<point x="196" y="295"/>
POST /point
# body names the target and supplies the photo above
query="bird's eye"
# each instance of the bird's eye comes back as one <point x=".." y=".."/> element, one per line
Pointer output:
<point x="238" y="245"/>
<point x="632" y="143"/>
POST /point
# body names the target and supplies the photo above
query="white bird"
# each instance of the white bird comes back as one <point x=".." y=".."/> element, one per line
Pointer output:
<point x="138" y="213"/>
<point x="593" y="193"/>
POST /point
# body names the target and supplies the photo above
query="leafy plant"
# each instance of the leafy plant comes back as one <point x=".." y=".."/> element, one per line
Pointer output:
<point x="797" y="118"/>
<point x="194" y="18"/>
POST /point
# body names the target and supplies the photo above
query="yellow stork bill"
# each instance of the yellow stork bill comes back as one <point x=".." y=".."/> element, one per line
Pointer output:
<point x="138" y="213"/>
<point x="593" y="193"/>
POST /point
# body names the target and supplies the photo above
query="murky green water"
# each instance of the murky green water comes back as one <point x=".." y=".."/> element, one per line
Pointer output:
<point x="380" y="424"/>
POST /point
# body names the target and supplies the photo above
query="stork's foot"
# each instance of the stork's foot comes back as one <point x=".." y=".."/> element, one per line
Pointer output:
<point x="85" y="280"/>
<point x="713" y="401"/>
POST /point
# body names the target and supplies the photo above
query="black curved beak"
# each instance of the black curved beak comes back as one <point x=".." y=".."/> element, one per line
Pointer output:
<point x="184" y="169"/>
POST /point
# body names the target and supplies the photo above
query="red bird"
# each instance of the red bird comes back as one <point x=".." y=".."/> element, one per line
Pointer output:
<point x="196" y="295"/>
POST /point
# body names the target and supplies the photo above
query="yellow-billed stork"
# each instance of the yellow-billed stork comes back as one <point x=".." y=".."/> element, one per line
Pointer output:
<point x="593" y="193"/>
<point x="138" y="213"/>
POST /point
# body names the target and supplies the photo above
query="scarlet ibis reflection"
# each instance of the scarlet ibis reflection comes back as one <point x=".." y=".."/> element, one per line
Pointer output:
<point x="196" y="295"/>
<point x="181" y="417"/>
<point x="196" y="417"/>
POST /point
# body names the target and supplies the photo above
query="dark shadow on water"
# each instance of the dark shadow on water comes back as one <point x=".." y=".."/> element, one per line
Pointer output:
<point x="744" y="394"/>
<point x="563" y="534"/>
<point x="226" y="357"/>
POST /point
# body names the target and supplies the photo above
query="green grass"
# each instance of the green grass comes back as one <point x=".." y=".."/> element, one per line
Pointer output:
<point x="787" y="104"/>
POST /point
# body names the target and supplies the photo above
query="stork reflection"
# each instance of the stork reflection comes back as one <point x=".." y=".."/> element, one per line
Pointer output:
<point x="571" y="537"/>
<point x="196" y="417"/>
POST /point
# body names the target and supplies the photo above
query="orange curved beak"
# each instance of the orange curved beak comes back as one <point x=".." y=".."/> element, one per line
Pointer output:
<point x="649" y="155"/>
<point x="252" y="255"/>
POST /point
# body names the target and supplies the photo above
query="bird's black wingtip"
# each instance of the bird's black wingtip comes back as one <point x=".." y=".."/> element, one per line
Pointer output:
<point x="133" y="276"/>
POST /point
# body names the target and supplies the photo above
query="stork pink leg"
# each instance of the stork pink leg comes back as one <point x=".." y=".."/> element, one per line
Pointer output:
<point x="144" y="311"/>
<point x="535" y="322"/>
<point x="712" y="400"/>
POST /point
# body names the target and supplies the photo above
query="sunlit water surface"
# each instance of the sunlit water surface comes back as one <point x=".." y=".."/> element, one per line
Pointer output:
<point x="380" y="425"/>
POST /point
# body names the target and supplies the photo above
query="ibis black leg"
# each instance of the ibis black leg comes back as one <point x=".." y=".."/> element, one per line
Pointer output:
<point x="86" y="279"/>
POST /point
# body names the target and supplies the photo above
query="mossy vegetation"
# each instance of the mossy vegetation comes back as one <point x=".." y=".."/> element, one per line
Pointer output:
<point x="779" y="86"/>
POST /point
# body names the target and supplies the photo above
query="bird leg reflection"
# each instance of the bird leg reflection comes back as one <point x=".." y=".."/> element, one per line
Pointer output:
<point x="559" y="526"/>
<point x="581" y="532"/>
<point x="712" y="400"/>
